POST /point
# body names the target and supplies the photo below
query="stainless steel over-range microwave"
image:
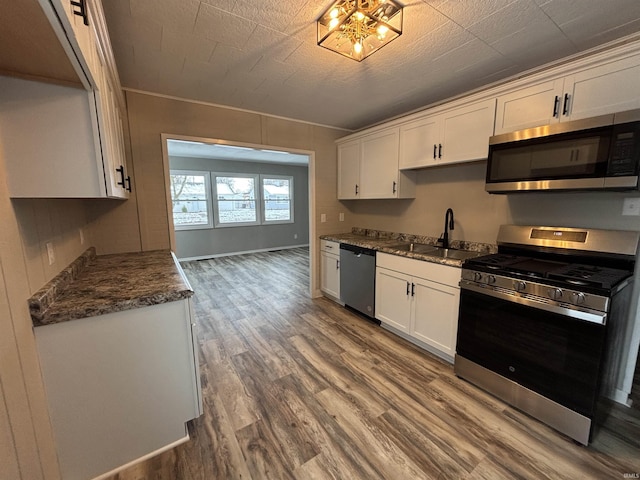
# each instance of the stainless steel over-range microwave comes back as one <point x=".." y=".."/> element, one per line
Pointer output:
<point x="599" y="153"/>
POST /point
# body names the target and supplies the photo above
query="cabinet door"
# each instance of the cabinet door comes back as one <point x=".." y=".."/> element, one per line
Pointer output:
<point x="466" y="132"/>
<point x="330" y="274"/>
<point x="435" y="315"/>
<point x="379" y="164"/>
<point x="120" y="386"/>
<point x="393" y="299"/>
<point x="530" y="107"/>
<point x="349" y="170"/>
<point x="610" y="88"/>
<point x="77" y="30"/>
<point x="418" y="143"/>
<point x="111" y="140"/>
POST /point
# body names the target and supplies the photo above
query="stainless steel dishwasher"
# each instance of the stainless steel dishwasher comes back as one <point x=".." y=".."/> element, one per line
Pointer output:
<point x="357" y="278"/>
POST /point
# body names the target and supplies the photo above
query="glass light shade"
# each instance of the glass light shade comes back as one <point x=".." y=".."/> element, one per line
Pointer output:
<point x="357" y="28"/>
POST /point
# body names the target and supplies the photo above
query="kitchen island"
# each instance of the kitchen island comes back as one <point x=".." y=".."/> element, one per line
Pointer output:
<point x="117" y="349"/>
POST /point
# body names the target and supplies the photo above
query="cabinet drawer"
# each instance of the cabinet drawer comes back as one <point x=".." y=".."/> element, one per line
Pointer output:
<point x="435" y="272"/>
<point x="330" y="246"/>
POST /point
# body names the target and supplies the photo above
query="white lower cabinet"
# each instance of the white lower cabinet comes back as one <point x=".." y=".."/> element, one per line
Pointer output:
<point x="330" y="268"/>
<point x="419" y="300"/>
<point x="120" y="386"/>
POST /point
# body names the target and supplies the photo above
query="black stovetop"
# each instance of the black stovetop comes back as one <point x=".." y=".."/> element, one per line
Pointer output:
<point x="559" y="272"/>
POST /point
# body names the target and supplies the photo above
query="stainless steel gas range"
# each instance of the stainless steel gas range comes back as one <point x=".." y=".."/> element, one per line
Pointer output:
<point x="542" y="322"/>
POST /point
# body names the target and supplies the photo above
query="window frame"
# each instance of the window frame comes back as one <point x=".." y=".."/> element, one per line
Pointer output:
<point x="263" y="200"/>
<point x="208" y="199"/>
<point x="256" y="199"/>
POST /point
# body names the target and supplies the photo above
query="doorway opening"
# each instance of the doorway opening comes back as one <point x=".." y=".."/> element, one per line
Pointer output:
<point x="228" y="198"/>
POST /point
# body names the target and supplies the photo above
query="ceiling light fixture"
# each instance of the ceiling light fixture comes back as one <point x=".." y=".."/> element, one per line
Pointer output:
<point x="357" y="28"/>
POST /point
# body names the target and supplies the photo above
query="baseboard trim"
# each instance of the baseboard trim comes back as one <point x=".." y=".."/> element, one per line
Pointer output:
<point x="244" y="252"/>
<point x="180" y="441"/>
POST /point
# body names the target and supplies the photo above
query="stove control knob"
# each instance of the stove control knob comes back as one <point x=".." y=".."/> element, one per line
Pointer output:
<point x="477" y="276"/>
<point x="520" y="286"/>
<point x="554" y="293"/>
<point x="578" y="298"/>
<point x="491" y="279"/>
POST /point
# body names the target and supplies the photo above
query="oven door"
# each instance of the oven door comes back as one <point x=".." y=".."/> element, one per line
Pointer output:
<point x="552" y="354"/>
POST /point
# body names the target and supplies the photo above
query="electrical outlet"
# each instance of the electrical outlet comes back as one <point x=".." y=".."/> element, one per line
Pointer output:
<point x="341" y="217"/>
<point x="295" y="236"/>
<point x="81" y="232"/>
<point x="50" y="253"/>
<point x="323" y="217"/>
<point x="631" y="206"/>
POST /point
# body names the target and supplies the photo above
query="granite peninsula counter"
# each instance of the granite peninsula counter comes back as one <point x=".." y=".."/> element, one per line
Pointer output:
<point x="122" y="378"/>
<point x="96" y="285"/>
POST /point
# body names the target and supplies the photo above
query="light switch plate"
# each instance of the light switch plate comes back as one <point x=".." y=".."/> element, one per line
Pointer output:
<point x="341" y="217"/>
<point x="631" y="206"/>
<point x="323" y="217"/>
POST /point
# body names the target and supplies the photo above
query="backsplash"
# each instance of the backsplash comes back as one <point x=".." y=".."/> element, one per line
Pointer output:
<point x="427" y="240"/>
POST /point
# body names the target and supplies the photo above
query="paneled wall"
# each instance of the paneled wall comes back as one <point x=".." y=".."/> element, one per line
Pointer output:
<point x="26" y="441"/>
<point x="151" y="116"/>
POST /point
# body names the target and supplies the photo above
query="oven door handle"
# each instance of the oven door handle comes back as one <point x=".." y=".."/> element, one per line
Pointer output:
<point x="588" y="316"/>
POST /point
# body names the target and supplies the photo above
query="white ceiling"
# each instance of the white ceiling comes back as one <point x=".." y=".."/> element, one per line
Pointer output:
<point x="261" y="55"/>
<point x="185" y="148"/>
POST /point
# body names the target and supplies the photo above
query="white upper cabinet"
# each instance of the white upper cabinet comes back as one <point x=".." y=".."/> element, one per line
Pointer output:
<point x="456" y="135"/>
<point x="368" y="168"/>
<point x="61" y="141"/>
<point x="379" y="165"/>
<point x="597" y="90"/>
<point x="529" y="107"/>
<point x="610" y="88"/>
<point x="349" y="170"/>
<point x="418" y="142"/>
<point x="459" y="131"/>
<point x="466" y="132"/>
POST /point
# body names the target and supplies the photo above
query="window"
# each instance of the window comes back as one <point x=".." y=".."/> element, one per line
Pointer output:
<point x="235" y="196"/>
<point x="277" y="196"/>
<point x="190" y="199"/>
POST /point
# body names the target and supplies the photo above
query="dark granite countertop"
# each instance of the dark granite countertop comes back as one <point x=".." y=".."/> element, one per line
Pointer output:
<point x="95" y="285"/>
<point x="384" y="242"/>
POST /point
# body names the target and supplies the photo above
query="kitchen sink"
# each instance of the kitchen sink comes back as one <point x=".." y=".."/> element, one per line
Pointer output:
<point x="414" y="247"/>
<point x="435" y="251"/>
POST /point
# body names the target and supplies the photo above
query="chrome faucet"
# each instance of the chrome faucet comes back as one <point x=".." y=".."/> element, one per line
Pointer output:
<point x="448" y="225"/>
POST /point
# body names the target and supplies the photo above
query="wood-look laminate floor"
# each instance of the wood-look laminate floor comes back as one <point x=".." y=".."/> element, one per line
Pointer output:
<point x="296" y="388"/>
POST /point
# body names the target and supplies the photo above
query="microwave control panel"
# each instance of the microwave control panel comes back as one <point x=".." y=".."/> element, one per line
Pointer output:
<point x="625" y="150"/>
